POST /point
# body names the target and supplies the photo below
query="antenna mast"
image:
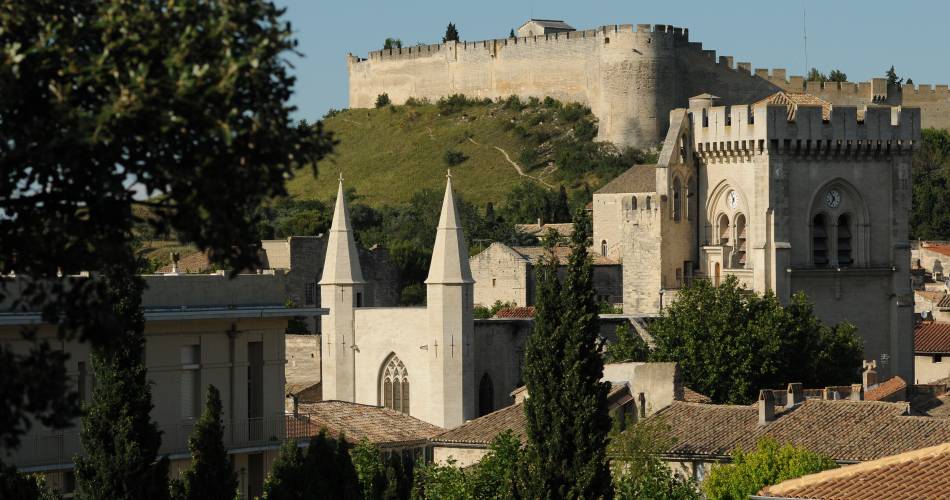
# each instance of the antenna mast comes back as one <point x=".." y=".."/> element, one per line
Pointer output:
<point x="805" y="38"/>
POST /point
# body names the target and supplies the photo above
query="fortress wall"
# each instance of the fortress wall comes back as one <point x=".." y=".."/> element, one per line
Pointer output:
<point x="934" y="103"/>
<point x="622" y="73"/>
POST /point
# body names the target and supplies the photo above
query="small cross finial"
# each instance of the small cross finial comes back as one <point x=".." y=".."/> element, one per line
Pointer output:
<point x="448" y="174"/>
<point x="341" y="176"/>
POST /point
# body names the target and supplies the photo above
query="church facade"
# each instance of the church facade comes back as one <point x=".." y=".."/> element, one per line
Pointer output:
<point x="432" y="362"/>
<point x="788" y="194"/>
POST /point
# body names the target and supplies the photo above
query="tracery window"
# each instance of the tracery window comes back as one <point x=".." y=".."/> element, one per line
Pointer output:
<point x="395" y="385"/>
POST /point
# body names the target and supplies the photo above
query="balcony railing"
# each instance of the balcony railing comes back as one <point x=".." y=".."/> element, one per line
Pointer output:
<point x="56" y="448"/>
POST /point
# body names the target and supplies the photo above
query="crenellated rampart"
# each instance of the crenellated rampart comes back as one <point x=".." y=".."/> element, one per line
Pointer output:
<point x="631" y="76"/>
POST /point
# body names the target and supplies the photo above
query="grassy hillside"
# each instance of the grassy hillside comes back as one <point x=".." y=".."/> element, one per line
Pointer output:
<point x="390" y="152"/>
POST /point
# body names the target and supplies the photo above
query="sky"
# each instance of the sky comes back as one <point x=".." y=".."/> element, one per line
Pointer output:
<point x="863" y="38"/>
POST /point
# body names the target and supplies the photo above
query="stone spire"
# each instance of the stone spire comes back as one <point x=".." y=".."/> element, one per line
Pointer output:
<point x="450" y="254"/>
<point x="342" y="263"/>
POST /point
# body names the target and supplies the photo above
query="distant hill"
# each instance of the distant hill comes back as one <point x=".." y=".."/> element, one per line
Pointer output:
<point x="390" y="152"/>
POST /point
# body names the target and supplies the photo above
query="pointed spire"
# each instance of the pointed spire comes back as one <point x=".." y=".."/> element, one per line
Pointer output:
<point x="450" y="253"/>
<point x="342" y="263"/>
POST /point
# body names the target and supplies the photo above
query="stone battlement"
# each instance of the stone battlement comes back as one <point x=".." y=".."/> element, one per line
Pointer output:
<point x="755" y="129"/>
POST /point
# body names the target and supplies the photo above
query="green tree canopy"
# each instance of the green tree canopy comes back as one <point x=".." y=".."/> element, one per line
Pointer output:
<point x="495" y="476"/>
<point x="816" y="76"/>
<point x="837" y="75"/>
<point x="185" y="102"/>
<point x="930" y="175"/>
<point x="730" y="342"/>
<point x="769" y="463"/>
<point x="392" y="43"/>
<point x="566" y="415"/>
<point x="211" y="475"/>
<point x="451" y="34"/>
<point x="629" y="346"/>
<point x="325" y="470"/>
<point x="637" y="470"/>
<point x="892" y="78"/>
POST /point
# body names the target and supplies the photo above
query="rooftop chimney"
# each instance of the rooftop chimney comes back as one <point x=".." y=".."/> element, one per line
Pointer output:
<point x="795" y="395"/>
<point x="869" y="377"/>
<point x="857" y="392"/>
<point x="766" y="407"/>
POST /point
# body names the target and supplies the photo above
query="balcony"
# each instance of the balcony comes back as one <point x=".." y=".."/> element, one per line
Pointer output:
<point x="54" y="450"/>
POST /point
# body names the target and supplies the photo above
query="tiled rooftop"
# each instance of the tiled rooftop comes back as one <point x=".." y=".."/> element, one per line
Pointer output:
<point x="932" y="337"/>
<point x="483" y="429"/>
<point x="563" y="254"/>
<point x="940" y="248"/>
<point x="792" y="100"/>
<point x="843" y="430"/>
<point x="381" y="426"/>
<point x="565" y="229"/>
<point x="916" y="474"/>
<point x="886" y="390"/>
<point x="637" y="179"/>
<point x="526" y="312"/>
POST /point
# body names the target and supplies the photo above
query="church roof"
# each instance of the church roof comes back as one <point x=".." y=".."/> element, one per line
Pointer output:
<point x="792" y="100"/>
<point x="381" y="426"/>
<point x="342" y="262"/>
<point x="637" y="179"/>
<point x="550" y="23"/>
<point x="449" y="263"/>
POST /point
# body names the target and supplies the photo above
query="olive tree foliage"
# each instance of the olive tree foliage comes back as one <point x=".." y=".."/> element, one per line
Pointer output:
<point x="636" y="467"/>
<point x="184" y="102"/>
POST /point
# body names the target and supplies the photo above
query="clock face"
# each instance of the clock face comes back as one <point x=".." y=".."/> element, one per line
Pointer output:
<point x="733" y="199"/>
<point x="833" y="198"/>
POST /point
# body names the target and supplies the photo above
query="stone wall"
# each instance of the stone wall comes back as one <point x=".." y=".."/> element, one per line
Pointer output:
<point x="926" y="371"/>
<point x="500" y="274"/>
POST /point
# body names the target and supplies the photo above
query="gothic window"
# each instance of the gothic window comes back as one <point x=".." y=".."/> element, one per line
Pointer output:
<point x="486" y="396"/>
<point x="677" y="198"/>
<point x="741" y="239"/>
<point x="633" y="202"/>
<point x="844" y="240"/>
<point x="649" y="203"/>
<point x="395" y="385"/>
<point x="603" y="248"/>
<point x="819" y="241"/>
<point x="723" y="229"/>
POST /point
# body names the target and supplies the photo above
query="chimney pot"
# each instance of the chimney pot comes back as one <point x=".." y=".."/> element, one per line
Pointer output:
<point x="869" y="376"/>
<point x="857" y="392"/>
<point x="766" y="407"/>
<point x="795" y="395"/>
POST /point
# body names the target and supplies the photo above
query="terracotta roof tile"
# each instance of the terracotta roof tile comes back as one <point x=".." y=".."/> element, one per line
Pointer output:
<point x="940" y="248"/>
<point x="483" y="429"/>
<point x="792" y="100"/>
<point x="565" y="229"/>
<point x="380" y="426"/>
<point x="931" y="296"/>
<point x="932" y="337"/>
<point x="637" y="179"/>
<point x="886" y="390"/>
<point x="516" y="312"/>
<point x="563" y="254"/>
<point x="691" y="396"/>
<point x="912" y="475"/>
<point x="944" y="302"/>
<point x="843" y="430"/>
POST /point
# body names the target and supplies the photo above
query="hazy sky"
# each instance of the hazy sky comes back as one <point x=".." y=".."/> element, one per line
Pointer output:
<point x="861" y="37"/>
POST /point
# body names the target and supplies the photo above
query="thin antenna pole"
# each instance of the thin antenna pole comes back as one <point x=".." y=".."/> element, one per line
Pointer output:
<point x="805" y="38"/>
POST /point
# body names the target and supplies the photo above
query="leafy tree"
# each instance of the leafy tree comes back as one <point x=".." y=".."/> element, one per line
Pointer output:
<point x="453" y="157"/>
<point x="483" y="312"/>
<point x="636" y="467"/>
<point x="930" y="176"/>
<point x="730" y="342"/>
<point x="892" y="78"/>
<point x="628" y="347"/>
<point x="511" y="34"/>
<point x="440" y="481"/>
<point x="566" y="415"/>
<point x="120" y="442"/>
<point x="287" y="479"/>
<point x="837" y="75"/>
<point x="211" y="475"/>
<point x="191" y="94"/>
<point x="326" y="470"/>
<point x="392" y="43"/>
<point x="382" y="100"/>
<point x="16" y="485"/>
<point x="770" y="463"/>
<point x="495" y="476"/>
<point x="451" y="34"/>
<point x="369" y="467"/>
<point x="816" y="76"/>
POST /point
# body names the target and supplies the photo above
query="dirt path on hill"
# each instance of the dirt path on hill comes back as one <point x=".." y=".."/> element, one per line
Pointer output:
<point x="513" y="164"/>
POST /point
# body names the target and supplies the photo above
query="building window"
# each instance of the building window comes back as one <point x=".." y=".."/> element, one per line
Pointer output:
<point x="493" y="282"/>
<point x="844" y="240"/>
<point x="255" y="389"/>
<point x="359" y="299"/>
<point x="486" y="396"/>
<point x="679" y="277"/>
<point x="819" y="241"/>
<point x="395" y="385"/>
<point x="723" y="229"/>
<point x="310" y="294"/>
<point x="649" y="203"/>
<point x="255" y="472"/>
<point x="740" y="255"/>
<point x="603" y="248"/>
<point x="191" y="381"/>
<point x="677" y="198"/>
<point x="938" y="358"/>
<point x="688" y="199"/>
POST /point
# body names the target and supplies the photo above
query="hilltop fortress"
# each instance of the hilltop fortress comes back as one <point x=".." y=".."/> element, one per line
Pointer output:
<point x="630" y="76"/>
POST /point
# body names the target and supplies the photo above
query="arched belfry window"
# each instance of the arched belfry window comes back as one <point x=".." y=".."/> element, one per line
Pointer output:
<point x="603" y="248"/>
<point x="819" y="241"/>
<point x="394" y="382"/>
<point x="723" y="229"/>
<point x="844" y="240"/>
<point x="486" y="396"/>
<point x="677" y="198"/>
<point x="741" y="238"/>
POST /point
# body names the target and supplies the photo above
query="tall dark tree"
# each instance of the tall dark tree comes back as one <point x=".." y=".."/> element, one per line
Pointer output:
<point x="816" y="76"/>
<point x="120" y="442"/>
<point x="211" y="475"/>
<point x="892" y="78"/>
<point x="392" y="43"/>
<point x="511" y="34"/>
<point x="451" y="34"/>
<point x="837" y="75"/>
<point x="175" y="100"/>
<point x="562" y="206"/>
<point x="567" y="421"/>
<point x="930" y="173"/>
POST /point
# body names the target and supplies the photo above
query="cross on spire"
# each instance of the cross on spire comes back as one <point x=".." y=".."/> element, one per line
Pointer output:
<point x="448" y="174"/>
<point x="341" y="176"/>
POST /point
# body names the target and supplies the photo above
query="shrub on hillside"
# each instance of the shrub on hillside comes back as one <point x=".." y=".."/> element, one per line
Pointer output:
<point x="452" y="157"/>
<point x="382" y="100"/>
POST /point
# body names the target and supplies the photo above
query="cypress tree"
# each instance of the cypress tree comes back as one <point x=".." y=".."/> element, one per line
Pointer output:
<point x="562" y="209"/>
<point x="566" y="409"/>
<point x="119" y="439"/>
<point x="451" y="34"/>
<point x="287" y="479"/>
<point x="211" y="475"/>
